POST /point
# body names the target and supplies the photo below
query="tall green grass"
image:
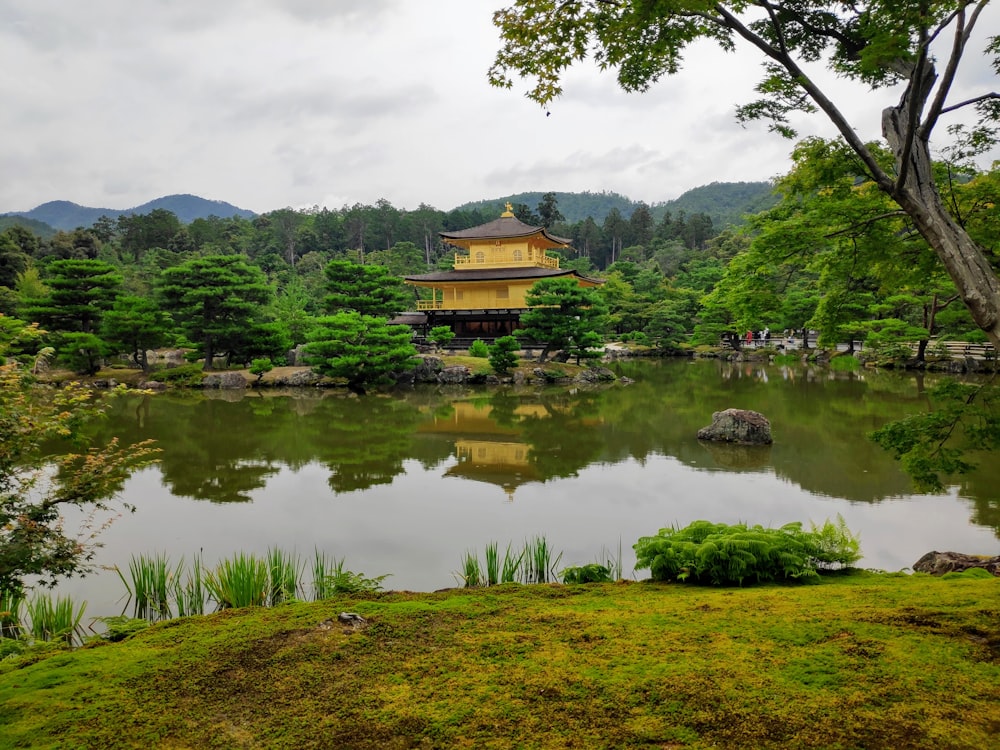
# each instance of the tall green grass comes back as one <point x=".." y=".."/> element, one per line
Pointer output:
<point x="325" y="569"/>
<point x="160" y="590"/>
<point x="55" y="618"/>
<point x="539" y="564"/>
<point x="189" y="595"/>
<point x="11" y="604"/>
<point x="471" y="573"/>
<point x="284" y="575"/>
<point x="240" y="581"/>
<point x="511" y="565"/>
<point x="149" y="585"/>
<point x="535" y="562"/>
<point x="492" y="564"/>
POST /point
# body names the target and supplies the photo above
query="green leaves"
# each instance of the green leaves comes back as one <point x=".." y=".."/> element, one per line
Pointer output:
<point x="936" y="444"/>
<point x="359" y="348"/>
<point x="723" y="555"/>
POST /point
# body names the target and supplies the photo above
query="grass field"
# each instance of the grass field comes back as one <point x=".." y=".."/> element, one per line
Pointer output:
<point x="860" y="661"/>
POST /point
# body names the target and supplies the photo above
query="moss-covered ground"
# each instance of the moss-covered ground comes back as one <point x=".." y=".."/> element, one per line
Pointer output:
<point x="861" y="661"/>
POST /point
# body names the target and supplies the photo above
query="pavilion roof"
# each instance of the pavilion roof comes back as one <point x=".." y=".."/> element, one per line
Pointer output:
<point x="506" y="227"/>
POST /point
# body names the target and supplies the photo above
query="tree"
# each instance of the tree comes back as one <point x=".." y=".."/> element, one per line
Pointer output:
<point x="548" y="210"/>
<point x="564" y="315"/>
<point x="135" y="325"/>
<point x="79" y="292"/>
<point x="34" y="542"/>
<point x="368" y="290"/>
<point x="875" y="44"/>
<point x="142" y="232"/>
<point x="503" y="354"/>
<point x="361" y="349"/>
<point x="13" y="260"/>
<point x="214" y="299"/>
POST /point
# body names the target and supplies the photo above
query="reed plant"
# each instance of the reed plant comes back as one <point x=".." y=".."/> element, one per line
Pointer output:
<point x="149" y="585"/>
<point x="511" y="565"/>
<point x="612" y="561"/>
<point x="471" y="573"/>
<point x="240" y="581"/>
<point x="284" y="575"/>
<point x="492" y="564"/>
<point x="189" y="595"/>
<point x="325" y="569"/>
<point x="539" y="565"/>
<point x="55" y="618"/>
<point x="11" y="604"/>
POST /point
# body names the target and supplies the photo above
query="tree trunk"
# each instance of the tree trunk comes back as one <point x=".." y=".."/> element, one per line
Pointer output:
<point x="209" y="351"/>
<point x="917" y="195"/>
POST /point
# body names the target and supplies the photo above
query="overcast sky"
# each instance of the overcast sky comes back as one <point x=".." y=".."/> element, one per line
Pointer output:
<point x="274" y="103"/>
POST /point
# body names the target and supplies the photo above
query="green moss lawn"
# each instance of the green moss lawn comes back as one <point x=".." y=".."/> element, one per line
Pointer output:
<point x="862" y="661"/>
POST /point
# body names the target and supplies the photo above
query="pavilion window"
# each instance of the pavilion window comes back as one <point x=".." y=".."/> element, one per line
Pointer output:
<point x="480" y="257"/>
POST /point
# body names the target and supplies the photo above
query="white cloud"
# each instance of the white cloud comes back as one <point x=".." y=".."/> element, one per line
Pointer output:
<point x="271" y="103"/>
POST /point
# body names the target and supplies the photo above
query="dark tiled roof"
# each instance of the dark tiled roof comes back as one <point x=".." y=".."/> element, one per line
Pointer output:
<point x="498" y="274"/>
<point x="505" y="226"/>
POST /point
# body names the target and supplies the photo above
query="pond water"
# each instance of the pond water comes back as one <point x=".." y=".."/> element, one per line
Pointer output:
<point x="406" y="483"/>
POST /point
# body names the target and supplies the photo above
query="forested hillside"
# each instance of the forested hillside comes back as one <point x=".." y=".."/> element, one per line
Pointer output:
<point x="726" y="203"/>
<point x="574" y="207"/>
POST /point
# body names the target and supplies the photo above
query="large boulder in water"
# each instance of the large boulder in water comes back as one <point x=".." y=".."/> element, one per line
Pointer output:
<point x="738" y="426"/>
<point x="939" y="563"/>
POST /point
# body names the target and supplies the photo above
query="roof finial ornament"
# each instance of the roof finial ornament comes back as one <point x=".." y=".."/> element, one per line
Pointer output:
<point x="509" y="213"/>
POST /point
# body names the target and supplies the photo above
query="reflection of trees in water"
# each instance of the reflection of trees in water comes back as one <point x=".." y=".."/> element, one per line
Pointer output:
<point x="985" y="503"/>
<point x="365" y="441"/>
<point x="222" y="450"/>
<point x="568" y="437"/>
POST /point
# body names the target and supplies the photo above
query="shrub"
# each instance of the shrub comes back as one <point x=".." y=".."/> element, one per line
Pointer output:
<point x="183" y="375"/>
<point x="503" y="354"/>
<point x="260" y="367"/>
<point x="479" y="349"/>
<point x="589" y="573"/>
<point x="722" y="555"/>
<point x="440" y="336"/>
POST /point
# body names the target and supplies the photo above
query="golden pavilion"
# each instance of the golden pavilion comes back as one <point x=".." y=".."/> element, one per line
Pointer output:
<point x="483" y="295"/>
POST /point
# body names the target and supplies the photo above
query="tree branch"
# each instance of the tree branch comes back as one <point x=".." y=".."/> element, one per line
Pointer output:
<point x="864" y="224"/>
<point x="840" y="122"/>
<point x="962" y="33"/>
<point x="967" y="102"/>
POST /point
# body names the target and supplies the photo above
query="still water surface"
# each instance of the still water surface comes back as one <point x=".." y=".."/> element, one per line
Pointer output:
<point x="405" y="484"/>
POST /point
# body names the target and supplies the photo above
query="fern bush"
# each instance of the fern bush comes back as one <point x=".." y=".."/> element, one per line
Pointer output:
<point x="724" y="555"/>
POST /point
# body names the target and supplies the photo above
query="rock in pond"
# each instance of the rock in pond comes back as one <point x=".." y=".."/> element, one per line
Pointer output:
<point x="738" y="426"/>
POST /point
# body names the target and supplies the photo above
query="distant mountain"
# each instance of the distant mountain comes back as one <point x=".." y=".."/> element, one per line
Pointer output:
<point x="68" y="216"/>
<point x="725" y="202"/>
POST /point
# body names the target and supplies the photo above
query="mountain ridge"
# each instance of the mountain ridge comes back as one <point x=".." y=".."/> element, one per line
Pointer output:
<point x="725" y="202"/>
<point x="66" y="215"/>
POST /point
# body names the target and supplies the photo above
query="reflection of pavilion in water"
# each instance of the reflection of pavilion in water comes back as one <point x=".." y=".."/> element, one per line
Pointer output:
<point x="498" y="462"/>
<point x="487" y="443"/>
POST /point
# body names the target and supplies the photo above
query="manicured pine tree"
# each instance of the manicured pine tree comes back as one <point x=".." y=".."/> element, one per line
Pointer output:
<point x="214" y="299"/>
